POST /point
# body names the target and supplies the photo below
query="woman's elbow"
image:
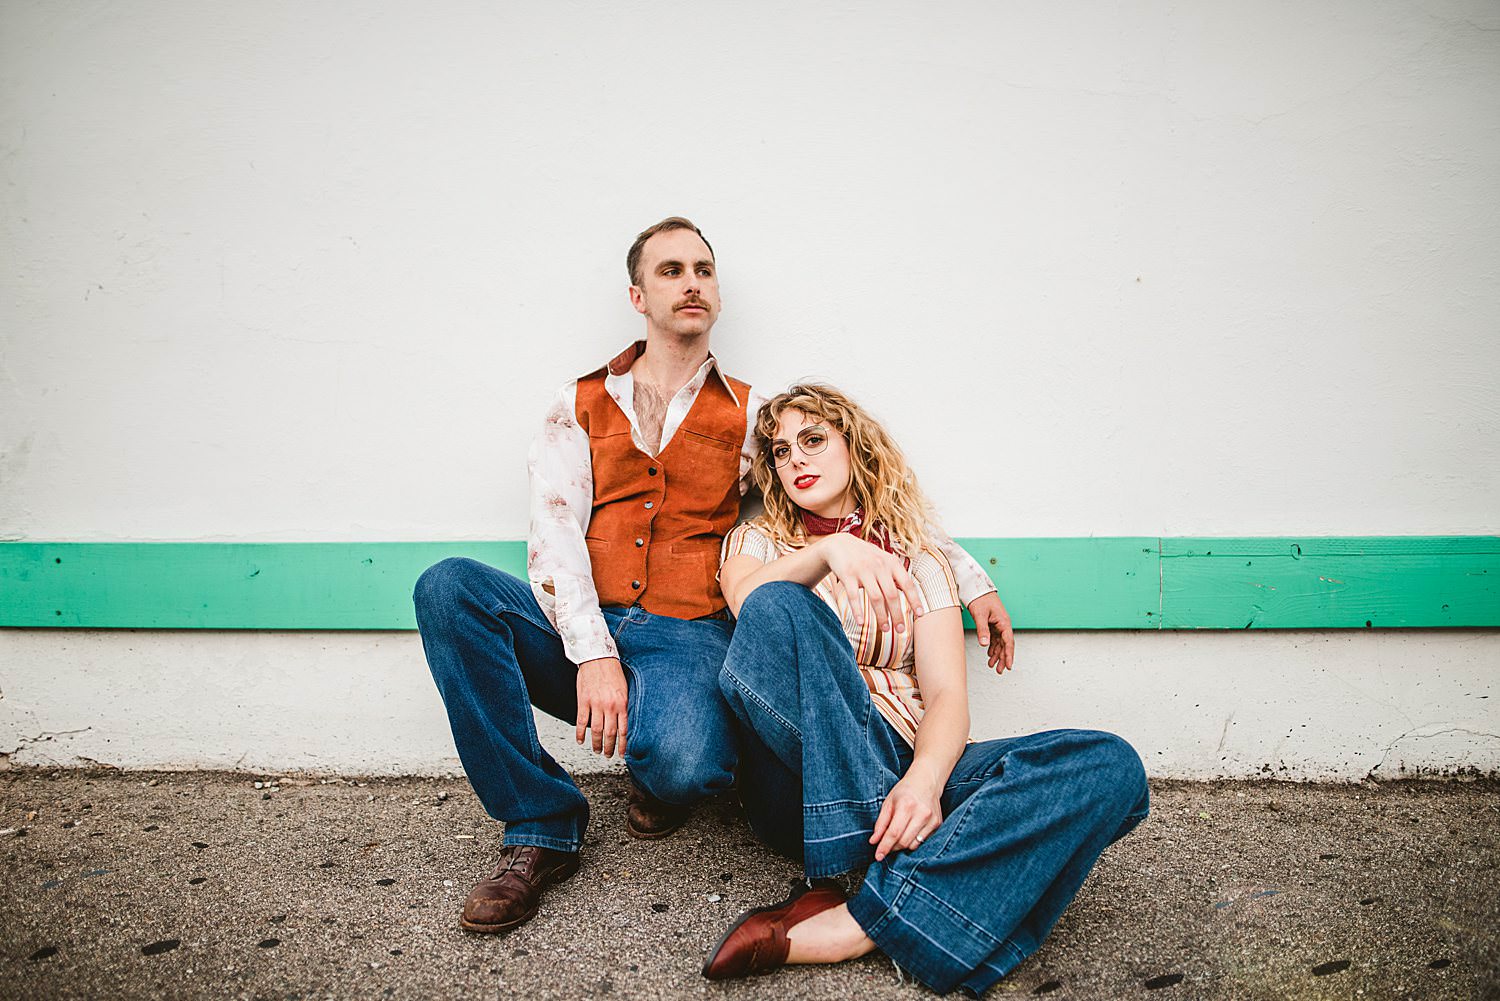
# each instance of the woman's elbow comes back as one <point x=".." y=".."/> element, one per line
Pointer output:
<point x="734" y="596"/>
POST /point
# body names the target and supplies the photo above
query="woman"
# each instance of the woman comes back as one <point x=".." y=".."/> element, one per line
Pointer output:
<point x="855" y="737"/>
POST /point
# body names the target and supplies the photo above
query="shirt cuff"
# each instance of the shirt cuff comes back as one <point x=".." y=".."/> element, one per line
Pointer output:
<point x="968" y="595"/>
<point x="585" y="636"/>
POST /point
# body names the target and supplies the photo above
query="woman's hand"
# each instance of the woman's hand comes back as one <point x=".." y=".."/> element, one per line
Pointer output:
<point x="864" y="566"/>
<point x="911" y="812"/>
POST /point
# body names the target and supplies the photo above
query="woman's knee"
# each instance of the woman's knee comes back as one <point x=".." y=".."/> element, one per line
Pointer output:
<point x="1119" y="770"/>
<point x="759" y="651"/>
<point x="776" y="600"/>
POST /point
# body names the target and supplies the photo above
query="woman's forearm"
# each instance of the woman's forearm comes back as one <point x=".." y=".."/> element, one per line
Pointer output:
<point x="807" y="566"/>
<point x="944" y="729"/>
<point x="942" y="735"/>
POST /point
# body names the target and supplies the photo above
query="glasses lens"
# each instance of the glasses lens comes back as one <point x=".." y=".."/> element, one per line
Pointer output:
<point x="810" y="440"/>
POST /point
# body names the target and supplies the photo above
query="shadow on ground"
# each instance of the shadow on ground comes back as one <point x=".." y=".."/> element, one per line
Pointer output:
<point x="128" y="885"/>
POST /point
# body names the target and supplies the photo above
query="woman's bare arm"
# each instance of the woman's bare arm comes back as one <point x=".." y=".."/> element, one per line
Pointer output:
<point x="913" y="810"/>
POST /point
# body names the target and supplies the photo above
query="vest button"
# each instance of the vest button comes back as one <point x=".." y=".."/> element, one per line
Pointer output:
<point x="635" y="585"/>
<point x="650" y="505"/>
<point x="639" y="543"/>
<point x="651" y="471"/>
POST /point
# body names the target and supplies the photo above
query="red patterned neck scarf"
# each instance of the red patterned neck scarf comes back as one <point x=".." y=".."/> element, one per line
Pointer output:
<point x="816" y="525"/>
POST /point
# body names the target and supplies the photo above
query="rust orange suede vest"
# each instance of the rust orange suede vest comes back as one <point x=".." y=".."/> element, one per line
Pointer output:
<point x="657" y="523"/>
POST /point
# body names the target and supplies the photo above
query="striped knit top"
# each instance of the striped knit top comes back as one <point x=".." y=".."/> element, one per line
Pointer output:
<point x="887" y="660"/>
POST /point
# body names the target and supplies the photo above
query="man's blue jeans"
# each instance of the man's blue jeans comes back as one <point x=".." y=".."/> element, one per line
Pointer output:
<point x="1024" y="818"/>
<point x="494" y="655"/>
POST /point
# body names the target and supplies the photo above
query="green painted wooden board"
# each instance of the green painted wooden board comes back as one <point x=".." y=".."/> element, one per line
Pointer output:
<point x="1066" y="583"/>
<point x="1109" y="583"/>
<point x="1330" y="583"/>
<point x="209" y="585"/>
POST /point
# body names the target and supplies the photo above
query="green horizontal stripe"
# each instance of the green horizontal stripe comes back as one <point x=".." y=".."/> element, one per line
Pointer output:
<point x="1108" y="583"/>
<point x="213" y="585"/>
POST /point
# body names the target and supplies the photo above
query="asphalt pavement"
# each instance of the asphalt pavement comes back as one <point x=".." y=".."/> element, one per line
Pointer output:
<point x="205" y="885"/>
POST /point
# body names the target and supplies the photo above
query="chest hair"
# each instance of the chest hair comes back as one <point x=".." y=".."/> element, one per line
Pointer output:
<point x="650" y="413"/>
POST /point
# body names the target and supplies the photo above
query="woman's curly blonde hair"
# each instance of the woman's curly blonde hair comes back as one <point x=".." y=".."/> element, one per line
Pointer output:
<point x="880" y="480"/>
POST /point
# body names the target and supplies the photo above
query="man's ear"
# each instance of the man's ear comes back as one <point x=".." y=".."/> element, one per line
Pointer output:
<point x="638" y="299"/>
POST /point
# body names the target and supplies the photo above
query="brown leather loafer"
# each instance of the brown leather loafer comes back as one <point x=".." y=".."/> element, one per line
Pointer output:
<point x="649" y="818"/>
<point x="757" y="942"/>
<point x="511" y="894"/>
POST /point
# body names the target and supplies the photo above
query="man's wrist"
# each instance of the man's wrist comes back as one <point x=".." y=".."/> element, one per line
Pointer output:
<point x="982" y="594"/>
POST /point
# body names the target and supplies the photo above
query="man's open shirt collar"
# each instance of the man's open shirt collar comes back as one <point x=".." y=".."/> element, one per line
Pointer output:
<point x="620" y="364"/>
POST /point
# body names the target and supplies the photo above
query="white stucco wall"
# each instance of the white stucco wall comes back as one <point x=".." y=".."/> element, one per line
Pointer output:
<point x="1301" y="705"/>
<point x="288" y="271"/>
<point x="311" y="271"/>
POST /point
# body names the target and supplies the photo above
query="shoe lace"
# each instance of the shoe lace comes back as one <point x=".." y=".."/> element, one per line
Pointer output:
<point x="514" y="857"/>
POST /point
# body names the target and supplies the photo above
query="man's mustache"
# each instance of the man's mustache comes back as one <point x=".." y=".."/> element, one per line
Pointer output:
<point x="688" y="303"/>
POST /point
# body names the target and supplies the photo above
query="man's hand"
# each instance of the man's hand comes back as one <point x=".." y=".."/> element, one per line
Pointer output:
<point x="602" y="702"/>
<point x="992" y="624"/>
<point x="861" y="565"/>
<point x="911" y="812"/>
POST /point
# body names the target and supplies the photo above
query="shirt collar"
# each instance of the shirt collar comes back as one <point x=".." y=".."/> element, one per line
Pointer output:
<point x="620" y="364"/>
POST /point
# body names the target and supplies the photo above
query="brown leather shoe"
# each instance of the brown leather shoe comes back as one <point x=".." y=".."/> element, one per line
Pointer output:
<point x="511" y="894"/>
<point x="757" y="942"/>
<point x="649" y="818"/>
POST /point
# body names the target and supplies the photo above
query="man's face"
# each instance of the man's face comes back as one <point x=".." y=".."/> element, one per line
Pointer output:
<point x="679" y="289"/>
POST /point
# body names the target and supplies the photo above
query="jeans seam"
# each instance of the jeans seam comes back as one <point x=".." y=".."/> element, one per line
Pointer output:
<point x="535" y="739"/>
<point x="893" y="914"/>
<point x="640" y="693"/>
<point x="836" y="837"/>
<point x="754" y="696"/>
<point x="1016" y="949"/>
<point x="991" y="942"/>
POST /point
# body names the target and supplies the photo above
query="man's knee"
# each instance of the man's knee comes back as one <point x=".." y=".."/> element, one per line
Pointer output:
<point x="459" y="582"/>
<point x="684" y="769"/>
<point x="439" y="583"/>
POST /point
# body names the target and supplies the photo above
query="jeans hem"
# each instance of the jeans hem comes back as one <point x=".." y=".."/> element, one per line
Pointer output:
<point x="990" y="972"/>
<point x="923" y="957"/>
<point x="543" y="841"/>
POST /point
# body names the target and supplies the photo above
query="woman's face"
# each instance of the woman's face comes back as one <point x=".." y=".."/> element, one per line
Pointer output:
<point x="816" y="482"/>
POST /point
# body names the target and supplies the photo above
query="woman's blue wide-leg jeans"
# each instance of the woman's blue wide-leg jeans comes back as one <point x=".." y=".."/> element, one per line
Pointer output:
<point x="494" y="655"/>
<point x="1024" y="818"/>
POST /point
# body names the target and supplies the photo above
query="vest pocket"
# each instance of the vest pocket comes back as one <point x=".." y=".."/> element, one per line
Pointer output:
<point x="698" y="438"/>
<point x="696" y="560"/>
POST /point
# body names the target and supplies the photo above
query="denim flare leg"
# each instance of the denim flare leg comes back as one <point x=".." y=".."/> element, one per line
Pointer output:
<point x="1024" y="818"/>
<point x="494" y="655"/>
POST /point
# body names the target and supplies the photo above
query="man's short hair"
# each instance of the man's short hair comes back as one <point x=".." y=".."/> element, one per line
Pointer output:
<point x="633" y="257"/>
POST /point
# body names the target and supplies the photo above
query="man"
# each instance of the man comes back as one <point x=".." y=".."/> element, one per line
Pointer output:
<point x="636" y="477"/>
